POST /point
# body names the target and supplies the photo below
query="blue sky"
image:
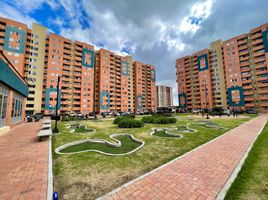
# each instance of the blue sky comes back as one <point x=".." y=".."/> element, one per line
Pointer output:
<point x="153" y="31"/>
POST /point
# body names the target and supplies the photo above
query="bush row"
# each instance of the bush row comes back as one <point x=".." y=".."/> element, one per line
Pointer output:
<point x="158" y="120"/>
<point x="118" y="119"/>
<point x="130" y="123"/>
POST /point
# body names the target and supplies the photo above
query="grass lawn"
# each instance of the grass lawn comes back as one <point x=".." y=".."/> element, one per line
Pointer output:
<point x="252" y="180"/>
<point x="89" y="175"/>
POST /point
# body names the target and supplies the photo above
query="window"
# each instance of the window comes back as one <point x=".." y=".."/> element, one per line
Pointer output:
<point x="16" y="108"/>
<point x="3" y="104"/>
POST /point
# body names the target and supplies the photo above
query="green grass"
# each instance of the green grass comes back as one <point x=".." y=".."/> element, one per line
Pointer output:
<point x="92" y="174"/>
<point x="162" y="133"/>
<point x="127" y="145"/>
<point x="252" y="180"/>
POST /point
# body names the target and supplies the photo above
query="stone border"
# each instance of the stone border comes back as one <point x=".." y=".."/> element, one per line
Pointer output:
<point x="176" y="136"/>
<point x="117" y="144"/>
<point x="164" y="165"/>
<point x="50" y="172"/>
<point x="167" y="131"/>
<point x="221" y="195"/>
<point x="86" y="128"/>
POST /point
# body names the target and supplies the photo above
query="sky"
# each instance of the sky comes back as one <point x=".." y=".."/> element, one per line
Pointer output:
<point x="152" y="31"/>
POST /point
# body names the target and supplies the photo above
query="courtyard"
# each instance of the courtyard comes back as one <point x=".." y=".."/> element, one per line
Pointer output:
<point x="82" y="173"/>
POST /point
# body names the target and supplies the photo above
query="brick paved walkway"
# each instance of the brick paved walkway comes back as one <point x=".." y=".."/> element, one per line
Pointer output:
<point x="23" y="164"/>
<point x="200" y="174"/>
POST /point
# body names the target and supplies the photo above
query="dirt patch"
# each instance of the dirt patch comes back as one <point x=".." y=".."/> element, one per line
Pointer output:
<point x="91" y="186"/>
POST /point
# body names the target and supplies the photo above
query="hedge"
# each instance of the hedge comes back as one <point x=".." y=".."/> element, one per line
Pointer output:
<point x="159" y="120"/>
<point x="118" y="119"/>
<point x="130" y="123"/>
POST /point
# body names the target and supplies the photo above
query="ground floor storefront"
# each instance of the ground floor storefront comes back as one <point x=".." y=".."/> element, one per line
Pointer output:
<point x="13" y="93"/>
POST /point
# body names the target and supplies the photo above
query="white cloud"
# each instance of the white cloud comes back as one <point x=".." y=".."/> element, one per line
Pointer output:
<point x="11" y="12"/>
<point x="199" y="12"/>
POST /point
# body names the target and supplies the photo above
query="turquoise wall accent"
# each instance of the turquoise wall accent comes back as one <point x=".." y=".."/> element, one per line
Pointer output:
<point x="48" y="91"/>
<point x="139" y="102"/>
<point x="10" y="29"/>
<point x="127" y="71"/>
<point x="265" y="40"/>
<point x="199" y="58"/>
<point x="230" y="97"/>
<point x="84" y="62"/>
<point x="152" y="74"/>
<point x="10" y="78"/>
<point x="182" y="95"/>
<point x="102" y="95"/>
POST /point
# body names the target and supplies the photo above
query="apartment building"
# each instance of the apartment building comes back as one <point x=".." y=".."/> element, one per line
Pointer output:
<point x="164" y="96"/>
<point x="115" y="78"/>
<point x="144" y="87"/>
<point x="231" y="74"/>
<point x="90" y="80"/>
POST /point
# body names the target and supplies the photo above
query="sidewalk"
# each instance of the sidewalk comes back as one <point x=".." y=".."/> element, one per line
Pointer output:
<point x="23" y="164"/>
<point x="200" y="174"/>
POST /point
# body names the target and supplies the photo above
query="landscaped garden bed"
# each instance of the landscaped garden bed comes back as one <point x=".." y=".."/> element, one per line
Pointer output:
<point x="89" y="175"/>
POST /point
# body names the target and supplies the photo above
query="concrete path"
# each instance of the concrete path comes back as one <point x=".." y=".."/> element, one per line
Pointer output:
<point x="200" y="174"/>
<point x="23" y="164"/>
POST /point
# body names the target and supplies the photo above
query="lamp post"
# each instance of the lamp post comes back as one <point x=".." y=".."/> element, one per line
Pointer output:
<point x="56" y="130"/>
<point x="206" y="100"/>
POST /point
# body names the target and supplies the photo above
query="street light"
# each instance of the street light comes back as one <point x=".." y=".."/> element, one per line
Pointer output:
<point x="206" y="100"/>
<point x="56" y="130"/>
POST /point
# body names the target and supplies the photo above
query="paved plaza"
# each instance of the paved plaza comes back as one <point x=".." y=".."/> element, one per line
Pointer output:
<point x="23" y="164"/>
<point x="200" y="174"/>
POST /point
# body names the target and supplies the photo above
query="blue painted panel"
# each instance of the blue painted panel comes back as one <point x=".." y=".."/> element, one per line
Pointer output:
<point x="202" y="62"/>
<point x="139" y="102"/>
<point x="152" y="74"/>
<point x="88" y="58"/>
<point x="265" y="40"/>
<point x="18" y="32"/>
<point x="231" y="100"/>
<point x="47" y="101"/>
<point x="125" y="70"/>
<point x="182" y="100"/>
<point x="104" y="100"/>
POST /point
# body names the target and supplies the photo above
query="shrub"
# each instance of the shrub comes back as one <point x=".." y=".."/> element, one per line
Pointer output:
<point x="130" y="123"/>
<point x="159" y="120"/>
<point x="118" y="119"/>
<point x="163" y="115"/>
<point x="68" y="118"/>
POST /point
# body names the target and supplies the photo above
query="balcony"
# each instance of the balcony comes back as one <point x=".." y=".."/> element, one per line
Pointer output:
<point x="263" y="104"/>
<point x="263" y="98"/>
<point x="256" y="48"/>
<point x="258" y="41"/>
<point x="242" y="42"/>
<point x="249" y="87"/>
<point x="249" y="105"/>
<point x="248" y="93"/>
<point x="263" y="91"/>
<point x="260" y="85"/>
<point x="262" y="78"/>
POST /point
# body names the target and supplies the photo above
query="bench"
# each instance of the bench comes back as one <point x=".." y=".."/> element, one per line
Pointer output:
<point x="44" y="133"/>
<point x="47" y="121"/>
<point x="46" y="126"/>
